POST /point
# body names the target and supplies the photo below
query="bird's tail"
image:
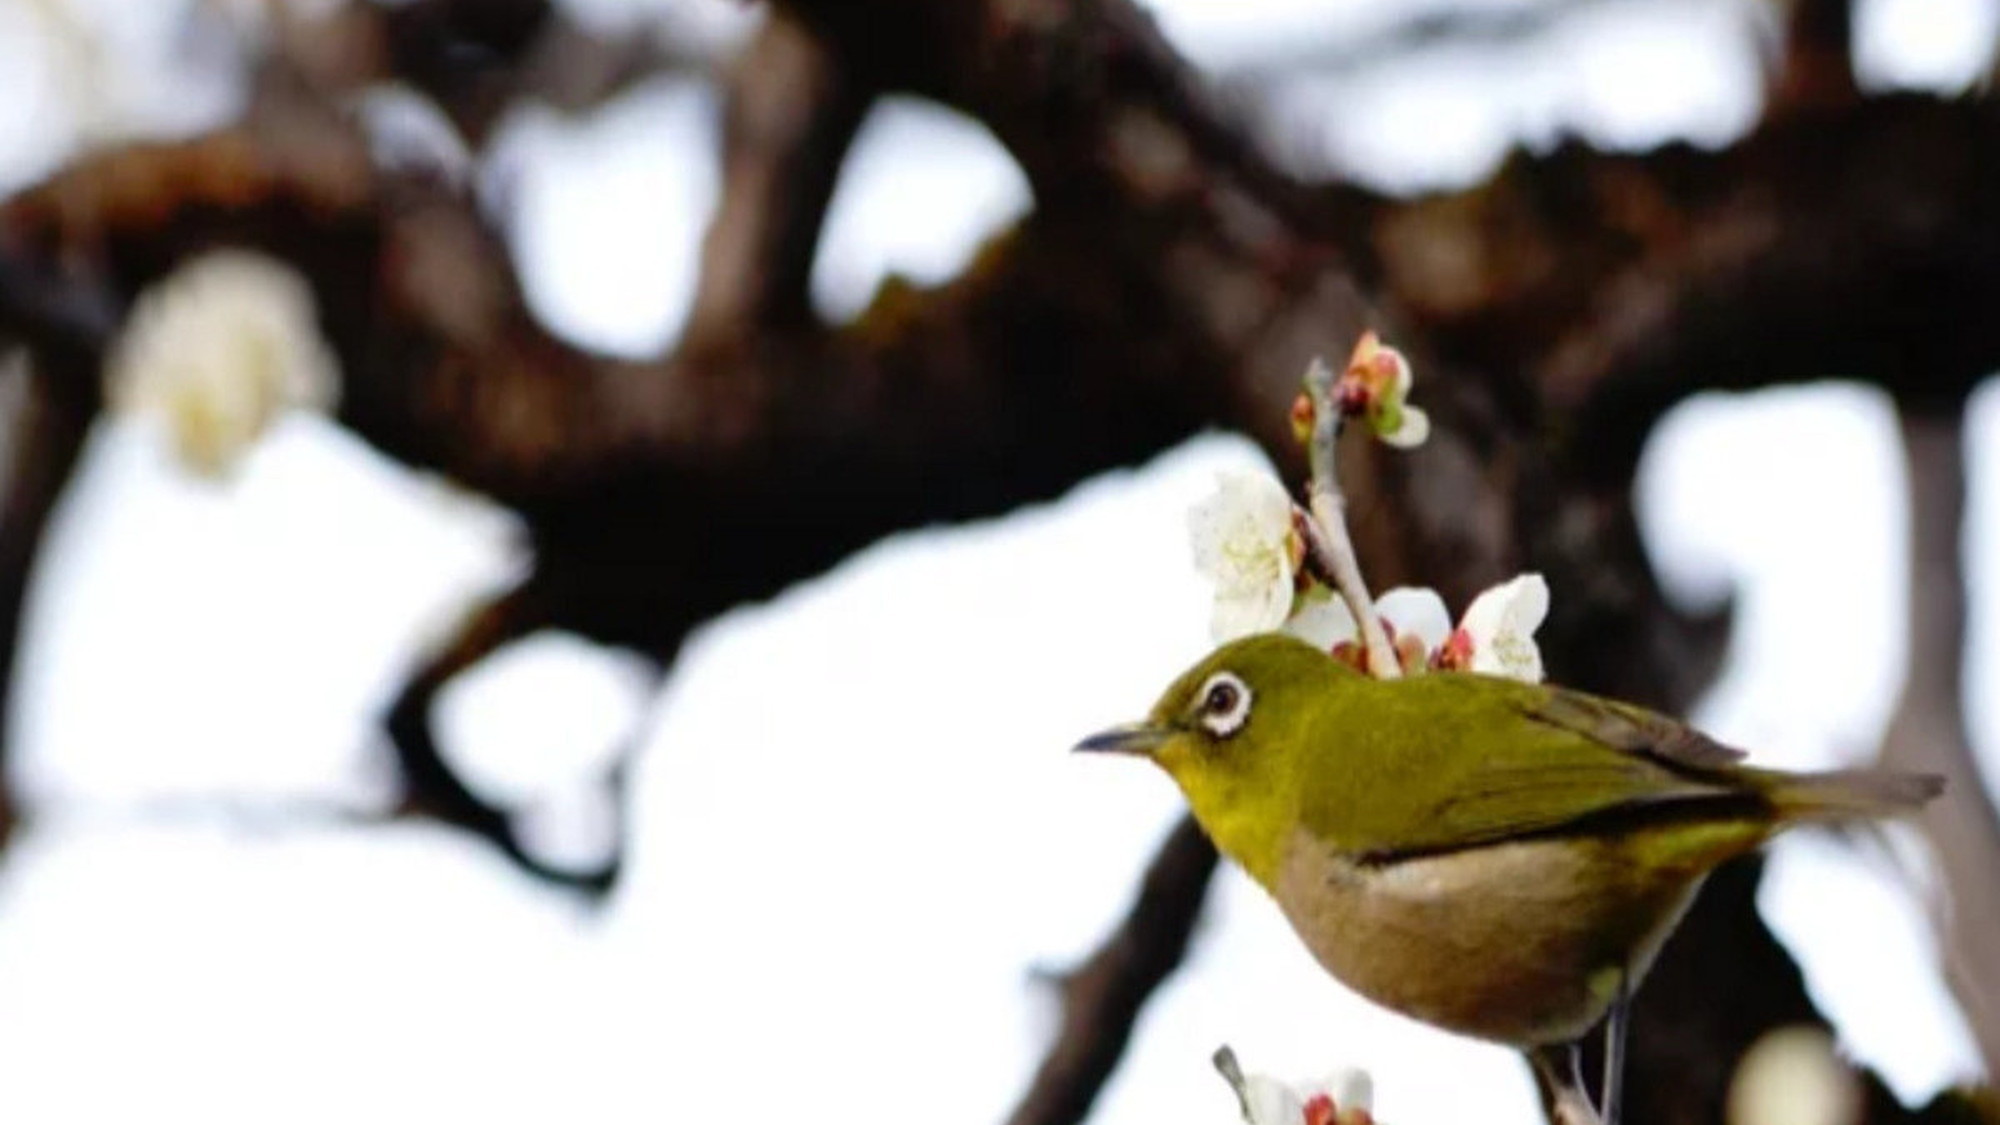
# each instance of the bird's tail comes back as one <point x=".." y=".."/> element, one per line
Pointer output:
<point x="1851" y="794"/>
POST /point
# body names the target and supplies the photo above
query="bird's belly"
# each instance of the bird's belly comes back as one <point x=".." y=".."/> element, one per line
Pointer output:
<point x="1520" y="943"/>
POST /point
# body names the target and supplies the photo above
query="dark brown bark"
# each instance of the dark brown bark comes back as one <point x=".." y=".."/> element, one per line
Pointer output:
<point x="1102" y="997"/>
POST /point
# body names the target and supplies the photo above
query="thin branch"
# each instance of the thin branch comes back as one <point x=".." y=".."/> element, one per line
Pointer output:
<point x="1328" y="544"/>
<point x="793" y="109"/>
<point x="476" y="59"/>
<point x="1815" y="65"/>
<point x="1928" y="732"/>
<point x="1483" y="27"/>
<point x="1103" y="996"/>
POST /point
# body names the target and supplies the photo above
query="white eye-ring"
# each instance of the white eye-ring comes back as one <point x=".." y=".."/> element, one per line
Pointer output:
<point x="1225" y="704"/>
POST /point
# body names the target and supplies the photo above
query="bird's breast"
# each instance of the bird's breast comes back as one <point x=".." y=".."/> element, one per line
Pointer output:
<point x="1520" y="942"/>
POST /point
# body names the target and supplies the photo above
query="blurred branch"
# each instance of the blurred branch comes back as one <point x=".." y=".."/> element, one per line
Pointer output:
<point x="52" y="409"/>
<point x="1103" y="996"/>
<point x="1815" y="66"/>
<point x="1928" y="731"/>
<point x="474" y="58"/>
<point x="793" y="109"/>
<point x="1861" y="242"/>
<point x="1347" y="53"/>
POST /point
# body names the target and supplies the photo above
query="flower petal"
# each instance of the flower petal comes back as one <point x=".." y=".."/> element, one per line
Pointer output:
<point x="1244" y="508"/>
<point x="1400" y="376"/>
<point x="1490" y="612"/>
<point x="1416" y="611"/>
<point x="1267" y="1101"/>
<point x="1413" y="429"/>
<point x="1240" y="537"/>
<point x="1530" y="604"/>
<point x="1322" y="620"/>
<point x="1501" y="623"/>
<point x="1352" y="1088"/>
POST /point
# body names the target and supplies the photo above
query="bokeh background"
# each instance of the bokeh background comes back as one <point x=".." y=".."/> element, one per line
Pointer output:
<point x="858" y="847"/>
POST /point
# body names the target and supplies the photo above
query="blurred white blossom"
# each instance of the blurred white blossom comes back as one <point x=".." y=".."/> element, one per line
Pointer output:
<point x="1243" y="541"/>
<point x="1793" y="1076"/>
<point x="217" y="350"/>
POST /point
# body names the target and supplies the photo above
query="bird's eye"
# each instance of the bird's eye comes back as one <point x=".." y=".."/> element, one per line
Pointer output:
<point x="1225" y="704"/>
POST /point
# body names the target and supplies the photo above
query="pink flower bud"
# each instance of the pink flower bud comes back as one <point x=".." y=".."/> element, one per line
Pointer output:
<point x="1304" y="415"/>
<point x="1455" y="654"/>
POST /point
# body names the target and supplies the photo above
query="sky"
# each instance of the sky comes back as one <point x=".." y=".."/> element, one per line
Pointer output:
<point x="848" y="900"/>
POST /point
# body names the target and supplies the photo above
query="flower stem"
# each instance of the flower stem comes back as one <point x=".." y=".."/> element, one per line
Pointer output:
<point x="1328" y="545"/>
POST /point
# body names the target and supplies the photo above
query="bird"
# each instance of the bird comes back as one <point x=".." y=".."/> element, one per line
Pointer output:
<point x="1497" y="858"/>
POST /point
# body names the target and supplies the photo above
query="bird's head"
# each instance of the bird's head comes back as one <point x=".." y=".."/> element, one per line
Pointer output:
<point x="1231" y="731"/>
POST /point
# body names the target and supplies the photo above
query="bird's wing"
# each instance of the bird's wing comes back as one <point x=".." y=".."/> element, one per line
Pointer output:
<point x="1441" y="762"/>
<point x="1623" y="726"/>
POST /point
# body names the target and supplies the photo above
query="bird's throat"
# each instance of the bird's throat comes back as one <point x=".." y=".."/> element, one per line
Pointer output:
<point x="1250" y="834"/>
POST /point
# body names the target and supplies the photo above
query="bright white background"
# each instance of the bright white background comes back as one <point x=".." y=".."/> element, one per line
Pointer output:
<point x="858" y="837"/>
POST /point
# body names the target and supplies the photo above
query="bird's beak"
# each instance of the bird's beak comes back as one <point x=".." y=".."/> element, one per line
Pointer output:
<point x="1132" y="738"/>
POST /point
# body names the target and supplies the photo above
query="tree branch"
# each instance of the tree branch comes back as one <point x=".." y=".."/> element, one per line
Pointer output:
<point x="1928" y="731"/>
<point x="1103" y="996"/>
<point x="1815" y="67"/>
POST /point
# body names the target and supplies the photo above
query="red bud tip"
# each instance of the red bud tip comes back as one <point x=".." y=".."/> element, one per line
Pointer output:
<point x="1303" y="417"/>
<point x="1320" y="1110"/>
<point x="1455" y="654"/>
<point x="1351" y="395"/>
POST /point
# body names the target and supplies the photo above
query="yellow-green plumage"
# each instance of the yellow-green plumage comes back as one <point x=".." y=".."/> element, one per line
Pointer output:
<point x="1488" y="855"/>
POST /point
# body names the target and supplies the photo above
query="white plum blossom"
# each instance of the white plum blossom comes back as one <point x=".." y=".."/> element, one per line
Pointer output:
<point x="1416" y="612"/>
<point x="1345" y="1097"/>
<point x="1243" y="540"/>
<point x="1497" y="634"/>
<point x="1414" y="616"/>
<point x="217" y="350"/>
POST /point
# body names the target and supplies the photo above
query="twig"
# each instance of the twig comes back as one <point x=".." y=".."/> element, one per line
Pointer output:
<point x="1102" y="998"/>
<point x="1928" y="731"/>
<point x="1815" y="66"/>
<point x="1343" y="53"/>
<point x="1327" y="541"/>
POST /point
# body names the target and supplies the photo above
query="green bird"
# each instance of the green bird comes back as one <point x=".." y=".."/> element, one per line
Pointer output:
<point x="1497" y="858"/>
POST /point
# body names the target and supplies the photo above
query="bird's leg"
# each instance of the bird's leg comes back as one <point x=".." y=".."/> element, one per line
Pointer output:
<point x="1615" y="1024"/>
<point x="1561" y="1067"/>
